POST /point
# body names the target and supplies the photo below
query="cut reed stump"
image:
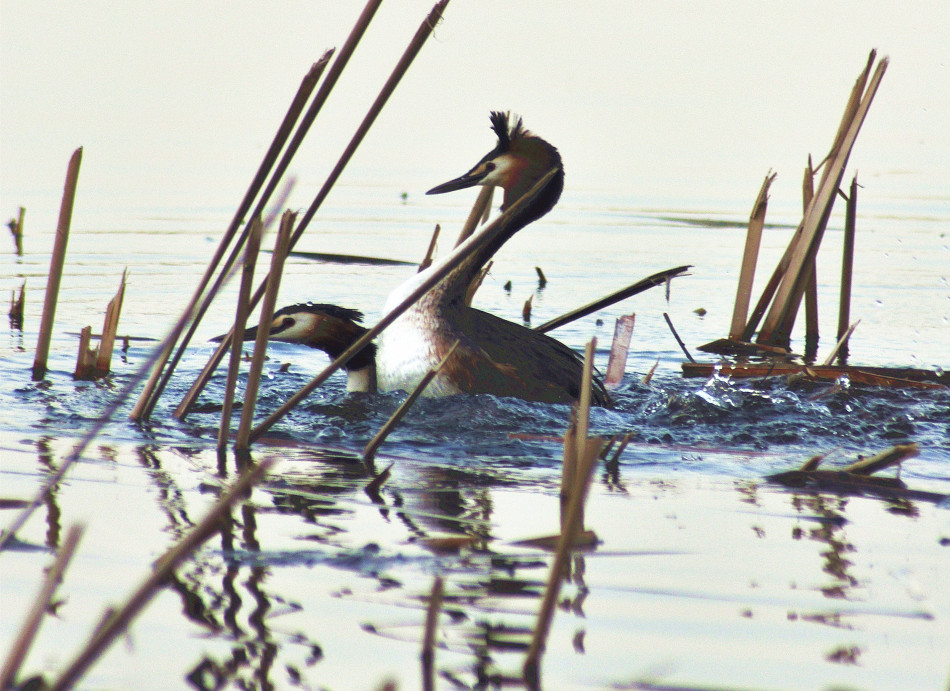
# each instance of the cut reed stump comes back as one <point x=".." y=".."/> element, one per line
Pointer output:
<point x="95" y="363"/>
<point x="16" y="228"/>
<point x="17" y="303"/>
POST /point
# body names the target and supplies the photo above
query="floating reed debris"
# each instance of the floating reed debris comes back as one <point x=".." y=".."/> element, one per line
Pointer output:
<point x="619" y="348"/>
<point x="659" y="278"/>
<point x="56" y="266"/>
<point x="41" y="605"/>
<point x="17" y="303"/>
<point x="260" y="344"/>
<point x="457" y="256"/>
<point x="369" y="452"/>
<point x="428" y="640"/>
<point x="16" y="228"/>
<point x="402" y="66"/>
<point x="117" y="621"/>
<point x="240" y="323"/>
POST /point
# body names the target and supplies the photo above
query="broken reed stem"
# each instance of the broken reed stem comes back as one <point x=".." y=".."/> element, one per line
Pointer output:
<point x="57" y="261"/>
<point x="40" y="605"/>
<point x="117" y="621"/>
<point x="428" y="640"/>
<point x="565" y="543"/>
<point x="17" y="231"/>
<point x="750" y="257"/>
<point x="281" y="248"/>
<point x="847" y="265"/>
<point x="619" y="349"/>
<point x="17" y="304"/>
<point x="842" y="343"/>
<point x="438" y="272"/>
<point x="240" y="323"/>
<point x="583" y="422"/>
<point x="401" y="67"/>
<point x="370" y="451"/>
<point x="477" y="282"/>
<point x="427" y="260"/>
<point x="110" y="327"/>
<point x="656" y="279"/>
<point x="480" y="210"/>
<point x="790" y="291"/>
<point x="669" y="323"/>
<point x="150" y="393"/>
<point x="86" y="357"/>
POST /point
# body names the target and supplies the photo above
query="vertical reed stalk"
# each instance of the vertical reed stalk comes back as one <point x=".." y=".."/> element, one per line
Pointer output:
<point x="847" y="266"/>
<point x="619" y="349"/>
<point x="427" y="260"/>
<point x="240" y="323"/>
<point x="86" y="357"/>
<point x="480" y="210"/>
<point x="110" y="327"/>
<point x="750" y="258"/>
<point x="56" y="266"/>
<point x="260" y="345"/>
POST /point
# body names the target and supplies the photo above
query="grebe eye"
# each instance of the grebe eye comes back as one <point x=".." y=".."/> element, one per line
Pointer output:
<point x="288" y="322"/>
<point x="489" y="166"/>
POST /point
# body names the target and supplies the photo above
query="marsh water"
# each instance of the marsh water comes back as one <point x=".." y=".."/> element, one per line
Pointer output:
<point x="705" y="574"/>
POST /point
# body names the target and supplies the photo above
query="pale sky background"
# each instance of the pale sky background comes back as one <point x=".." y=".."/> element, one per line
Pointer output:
<point x="665" y="102"/>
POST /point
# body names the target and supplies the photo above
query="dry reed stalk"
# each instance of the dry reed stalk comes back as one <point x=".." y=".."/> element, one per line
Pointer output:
<point x="669" y="323"/>
<point x="57" y="261"/>
<point x="847" y="266"/>
<point x="260" y="344"/>
<point x="561" y="556"/>
<point x="86" y="357"/>
<point x="427" y="260"/>
<point x="477" y="283"/>
<point x="811" y="286"/>
<point x="649" y="375"/>
<point x="370" y="451"/>
<point x="17" y="304"/>
<point x="40" y="605"/>
<point x="583" y="424"/>
<point x="791" y="289"/>
<point x="150" y="393"/>
<point x="401" y="67"/>
<point x="439" y="272"/>
<point x="118" y="620"/>
<point x="526" y="310"/>
<point x="892" y="456"/>
<point x="542" y="279"/>
<point x="619" y="348"/>
<point x="16" y="228"/>
<point x="568" y="465"/>
<point x="750" y="257"/>
<point x="480" y="211"/>
<point x="428" y="640"/>
<point x="656" y="279"/>
<point x="240" y="324"/>
<point x="110" y="327"/>
<point x="842" y="343"/>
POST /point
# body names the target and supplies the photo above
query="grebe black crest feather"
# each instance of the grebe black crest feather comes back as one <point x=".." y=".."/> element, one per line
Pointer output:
<point x="316" y="308"/>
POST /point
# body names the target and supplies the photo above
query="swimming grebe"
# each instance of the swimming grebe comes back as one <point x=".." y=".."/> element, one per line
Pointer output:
<point x="494" y="356"/>
<point x="328" y="328"/>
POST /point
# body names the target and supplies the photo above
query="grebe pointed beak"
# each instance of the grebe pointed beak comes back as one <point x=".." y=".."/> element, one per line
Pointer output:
<point x="249" y="335"/>
<point x="473" y="177"/>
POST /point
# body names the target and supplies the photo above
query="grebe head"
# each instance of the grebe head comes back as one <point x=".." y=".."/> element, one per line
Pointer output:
<point x="518" y="160"/>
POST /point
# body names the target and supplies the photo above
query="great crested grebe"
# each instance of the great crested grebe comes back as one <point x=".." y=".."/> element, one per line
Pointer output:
<point x="494" y="356"/>
<point x="328" y="328"/>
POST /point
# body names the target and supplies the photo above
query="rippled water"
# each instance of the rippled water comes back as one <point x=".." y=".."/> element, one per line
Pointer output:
<point x="701" y="567"/>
